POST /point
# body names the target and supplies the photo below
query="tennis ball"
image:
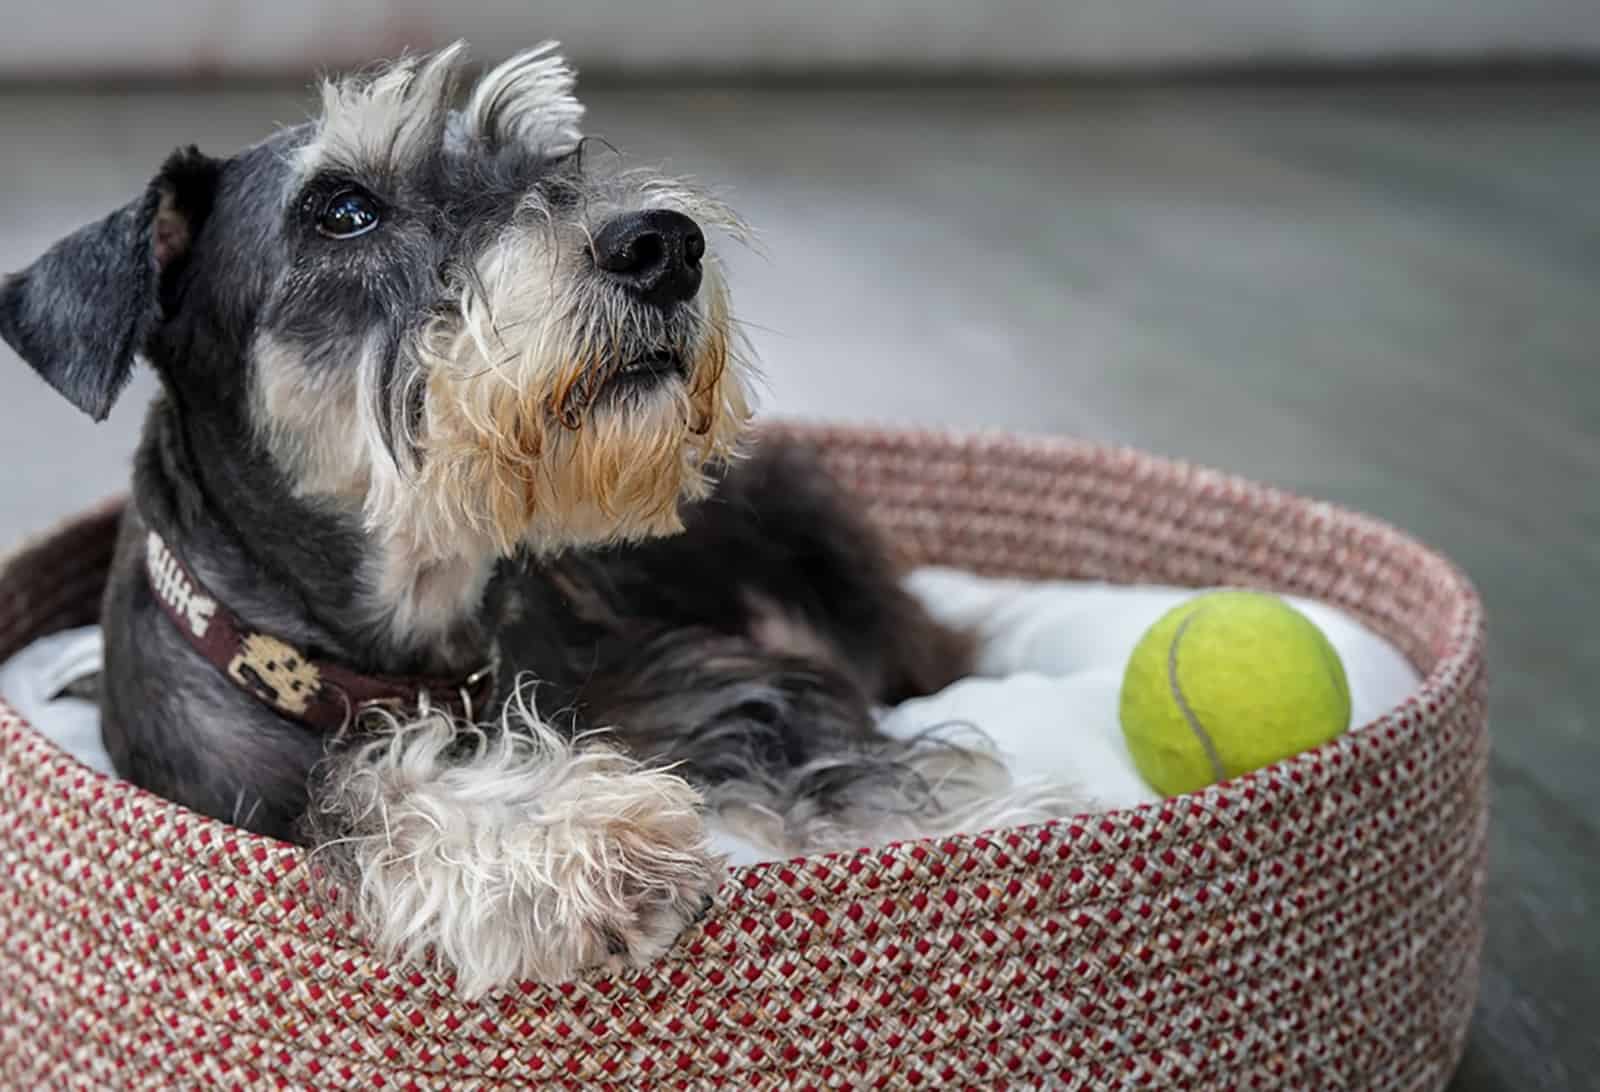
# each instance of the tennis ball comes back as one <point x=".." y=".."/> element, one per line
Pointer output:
<point x="1225" y="683"/>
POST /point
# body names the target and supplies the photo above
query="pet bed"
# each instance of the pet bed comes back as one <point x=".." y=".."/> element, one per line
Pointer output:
<point x="1316" y="924"/>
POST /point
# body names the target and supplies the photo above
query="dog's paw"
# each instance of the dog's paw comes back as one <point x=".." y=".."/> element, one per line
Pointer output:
<point x="670" y="889"/>
<point x="523" y="859"/>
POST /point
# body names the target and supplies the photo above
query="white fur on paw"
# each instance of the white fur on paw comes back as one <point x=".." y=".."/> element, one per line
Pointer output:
<point x="514" y="855"/>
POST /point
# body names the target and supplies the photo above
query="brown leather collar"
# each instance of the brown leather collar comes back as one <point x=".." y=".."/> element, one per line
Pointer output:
<point x="318" y="693"/>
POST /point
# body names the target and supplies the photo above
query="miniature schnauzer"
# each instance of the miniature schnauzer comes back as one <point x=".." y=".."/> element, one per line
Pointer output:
<point x="447" y="554"/>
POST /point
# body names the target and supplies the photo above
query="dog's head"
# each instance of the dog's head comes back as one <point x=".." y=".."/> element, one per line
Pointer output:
<point x="439" y="307"/>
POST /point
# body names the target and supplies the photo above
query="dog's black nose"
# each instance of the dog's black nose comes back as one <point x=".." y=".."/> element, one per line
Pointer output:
<point x="656" y="254"/>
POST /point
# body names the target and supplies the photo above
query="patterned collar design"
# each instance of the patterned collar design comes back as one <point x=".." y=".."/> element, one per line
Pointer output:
<point x="319" y="693"/>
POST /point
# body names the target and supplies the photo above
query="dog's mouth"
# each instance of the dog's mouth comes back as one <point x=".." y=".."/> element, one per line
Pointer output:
<point x="653" y="368"/>
<point x="622" y="387"/>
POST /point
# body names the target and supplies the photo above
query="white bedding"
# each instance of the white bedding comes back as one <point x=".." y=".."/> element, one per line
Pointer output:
<point x="1050" y="666"/>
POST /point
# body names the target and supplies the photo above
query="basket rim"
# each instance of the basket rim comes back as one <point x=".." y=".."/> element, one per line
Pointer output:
<point x="1453" y="678"/>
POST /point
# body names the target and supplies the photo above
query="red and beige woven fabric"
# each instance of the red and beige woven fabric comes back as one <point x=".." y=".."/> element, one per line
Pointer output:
<point x="1316" y="925"/>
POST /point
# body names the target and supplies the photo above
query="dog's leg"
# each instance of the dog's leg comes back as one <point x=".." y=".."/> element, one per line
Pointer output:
<point x="514" y="854"/>
<point x="788" y="752"/>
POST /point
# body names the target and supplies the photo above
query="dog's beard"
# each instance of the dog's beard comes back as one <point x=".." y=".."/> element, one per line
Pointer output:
<point x="517" y="428"/>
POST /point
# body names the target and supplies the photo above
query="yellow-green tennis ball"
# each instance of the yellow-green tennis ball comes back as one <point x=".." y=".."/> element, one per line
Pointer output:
<point x="1229" y="682"/>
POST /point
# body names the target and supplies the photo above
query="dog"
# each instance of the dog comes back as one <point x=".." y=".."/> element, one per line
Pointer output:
<point x="449" y="552"/>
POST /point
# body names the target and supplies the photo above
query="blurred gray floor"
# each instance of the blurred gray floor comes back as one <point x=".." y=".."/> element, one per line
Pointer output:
<point x="1388" y="297"/>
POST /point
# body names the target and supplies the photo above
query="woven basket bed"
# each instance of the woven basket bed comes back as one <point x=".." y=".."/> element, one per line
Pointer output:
<point x="1314" y="925"/>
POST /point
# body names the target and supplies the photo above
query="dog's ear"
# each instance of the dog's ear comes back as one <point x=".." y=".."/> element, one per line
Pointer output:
<point x="80" y="313"/>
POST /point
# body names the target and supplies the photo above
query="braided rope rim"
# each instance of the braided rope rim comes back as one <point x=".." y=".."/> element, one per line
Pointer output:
<point x="1314" y="923"/>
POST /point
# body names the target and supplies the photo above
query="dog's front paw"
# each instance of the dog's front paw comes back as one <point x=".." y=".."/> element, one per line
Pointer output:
<point x="662" y="879"/>
<point x="522" y="858"/>
<point x="621" y="870"/>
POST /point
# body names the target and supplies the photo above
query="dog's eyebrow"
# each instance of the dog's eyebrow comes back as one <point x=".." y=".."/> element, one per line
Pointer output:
<point x="387" y="121"/>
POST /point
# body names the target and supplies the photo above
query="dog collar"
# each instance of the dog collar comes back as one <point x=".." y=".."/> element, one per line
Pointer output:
<point x="324" y="695"/>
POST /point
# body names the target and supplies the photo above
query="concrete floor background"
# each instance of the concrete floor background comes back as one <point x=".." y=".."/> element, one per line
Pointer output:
<point x="1386" y="296"/>
<point x="212" y="39"/>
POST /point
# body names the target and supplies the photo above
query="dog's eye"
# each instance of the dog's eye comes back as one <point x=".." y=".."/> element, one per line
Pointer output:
<point x="347" y="214"/>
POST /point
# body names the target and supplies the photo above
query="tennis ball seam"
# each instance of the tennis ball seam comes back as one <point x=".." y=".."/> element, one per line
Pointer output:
<point x="1195" y="726"/>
